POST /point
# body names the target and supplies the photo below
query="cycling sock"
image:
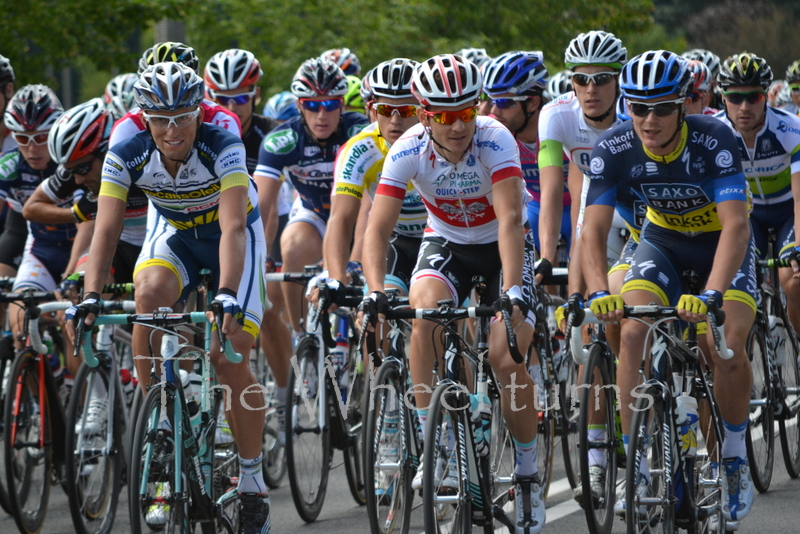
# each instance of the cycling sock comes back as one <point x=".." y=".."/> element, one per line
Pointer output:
<point x="422" y="416"/>
<point x="526" y="458"/>
<point x="597" y="433"/>
<point x="733" y="446"/>
<point x="251" y="479"/>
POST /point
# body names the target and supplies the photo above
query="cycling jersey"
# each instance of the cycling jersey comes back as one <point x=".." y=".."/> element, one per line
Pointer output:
<point x="18" y="181"/>
<point x="260" y="126"/>
<point x="358" y="167"/>
<point x="131" y="123"/>
<point x="189" y="201"/>
<point x="458" y="196"/>
<point x="8" y="144"/>
<point x="681" y="190"/>
<point x="62" y="188"/>
<point x="289" y="151"/>
<point x="528" y="158"/>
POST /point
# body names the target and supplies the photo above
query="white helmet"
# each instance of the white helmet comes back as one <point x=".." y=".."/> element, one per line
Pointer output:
<point x="559" y="83"/>
<point x="119" y="94"/>
<point x="82" y="130"/>
<point x="168" y="87"/>
<point x="232" y="69"/>
<point x="476" y="55"/>
<point x="596" y="48"/>
<point x="447" y="80"/>
<point x="391" y="79"/>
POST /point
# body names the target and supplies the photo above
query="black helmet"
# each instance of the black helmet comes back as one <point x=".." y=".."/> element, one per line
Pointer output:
<point x="744" y="69"/>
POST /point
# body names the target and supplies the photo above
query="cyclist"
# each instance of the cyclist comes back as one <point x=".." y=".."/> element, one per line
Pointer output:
<point x="194" y="174"/>
<point x="514" y="83"/>
<point x="712" y="62"/>
<point x="466" y="169"/>
<point x="281" y="107"/>
<point x="793" y="81"/>
<point x="119" y="94"/>
<point x="700" y="94"/>
<point x="6" y="93"/>
<point x="570" y="125"/>
<point x="345" y="59"/>
<point x="303" y="150"/>
<point x="769" y="145"/>
<point x="479" y="56"/>
<point x="358" y="169"/>
<point x="696" y="199"/>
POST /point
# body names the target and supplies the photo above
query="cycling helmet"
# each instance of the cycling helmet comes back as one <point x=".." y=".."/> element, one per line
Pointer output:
<point x="521" y="73"/>
<point x="6" y="71"/>
<point x="783" y="98"/>
<point x="654" y="74"/>
<point x="792" y="73"/>
<point x="34" y="108"/>
<point x="706" y="56"/>
<point x="622" y="109"/>
<point x="596" y="48"/>
<point x="476" y="55"/>
<point x="345" y="59"/>
<point x="169" y="51"/>
<point x="232" y="69"/>
<point x="319" y="77"/>
<point x="744" y="69"/>
<point x="168" y="87"/>
<point x="281" y="106"/>
<point x="559" y="83"/>
<point x="701" y="75"/>
<point x="446" y="80"/>
<point x="119" y="94"/>
<point x="366" y="92"/>
<point x="392" y="79"/>
<point x="352" y="99"/>
<point x="81" y="131"/>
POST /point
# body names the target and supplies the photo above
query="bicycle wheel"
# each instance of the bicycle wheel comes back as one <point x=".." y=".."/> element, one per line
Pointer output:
<point x="354" y="425"/>
<point x="502" y="455"/>
<point x="225" y="478"/>
<point x="5" y="365"/>
<point x="597" y="415"/>
<point x="28" y="443"/>
<point x="93" y="470"/>
<point x="446" y="501"/>
<point x="545" y="436"/>
<point x="153" y="468"/>
<point x="308" y="447"/>
<point x="568" y="415"/>
<point x="387" y="466"/>
<point x="274" y="465"/>
<point x="760" y="438"/>
<point x="652" y="438"/>
<point x="707" y="479"/>
<point x="789" y="423"/>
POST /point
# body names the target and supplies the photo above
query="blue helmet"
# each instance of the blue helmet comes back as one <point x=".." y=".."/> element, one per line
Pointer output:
<point x="168" y="87"/>
<point x="521" y="73"/>
<point x="281" y="106"/>
<point x="654" y="74"/>
<point x="622" y="109"/>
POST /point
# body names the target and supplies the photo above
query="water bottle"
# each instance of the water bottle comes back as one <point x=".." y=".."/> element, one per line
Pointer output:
<point x="192" y="405"/>
<point x="777" y="336"/>
<point x="481" y="416"/>
<point x="338" y="356"/>
<point x="560" y="363"/>
<point x="128" y="385"/>
<point x="687" y="422"/>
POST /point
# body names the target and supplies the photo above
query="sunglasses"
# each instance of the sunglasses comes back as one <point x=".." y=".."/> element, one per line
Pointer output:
<point x="163" y="122"/>
<point x="795" y="88"/>
<point x="404" y="110"/>
<point x="315" y="105"/>
<point x="240" y="99"/>
<point x="753" y="97"/>
<point x="662" y="109"/>
<point x="508" y="102"/>
<point x="599" y="78"/>
<point x="23" y="139"/>
<point x="82" y="169"/>
<point x="450" y="117"/>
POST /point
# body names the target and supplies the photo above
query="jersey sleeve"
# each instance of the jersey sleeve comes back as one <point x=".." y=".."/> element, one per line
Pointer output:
<point x="116" y="179"/>
<point x="231" y="168"/>
<point x="276" y="152"/>
<point x="399" y="168"/>
<point x="551" y="142"/>
<point x="499" y="152"/>
<point x="355" y="162"/>
<point x="125" y="128"/>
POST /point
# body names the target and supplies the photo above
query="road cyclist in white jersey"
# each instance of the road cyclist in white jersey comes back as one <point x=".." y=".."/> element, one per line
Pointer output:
<point x="466" y="169"/>
<point x="195" y="176"/>
<point x="571" y="125"/>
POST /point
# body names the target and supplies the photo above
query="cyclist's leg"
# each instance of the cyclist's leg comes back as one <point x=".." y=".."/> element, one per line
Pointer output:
<point x="301" y="245"/>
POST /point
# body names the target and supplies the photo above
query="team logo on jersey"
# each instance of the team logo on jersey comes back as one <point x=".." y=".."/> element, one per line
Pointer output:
<point x="675" y="198"/>
<point x="464" y="212"/>
<point x="597" y="165"/>
<point x="651" y="167"/>
<point x="766" y="145"/>
<point x="724" y="159"/>
<point x="471" y="160"/>
<point x="636" y="171"/>
<point x="311" y="151"/>
<point x="281" y="142"/>
<point x="783" y="127"/>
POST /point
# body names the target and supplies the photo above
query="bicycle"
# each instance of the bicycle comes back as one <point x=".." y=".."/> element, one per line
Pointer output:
<point x="775" y="397"/>
<point x="178" y="476"/>
<point x="685" y="487"/>
<point x="322" y="413"/>
<point x="6" y="357"/>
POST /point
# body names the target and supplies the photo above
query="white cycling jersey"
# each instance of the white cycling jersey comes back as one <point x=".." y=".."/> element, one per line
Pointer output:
<point x="458" y="197"/>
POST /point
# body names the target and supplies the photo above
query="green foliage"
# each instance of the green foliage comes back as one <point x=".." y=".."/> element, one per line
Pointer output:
<point x="655" y="38"/>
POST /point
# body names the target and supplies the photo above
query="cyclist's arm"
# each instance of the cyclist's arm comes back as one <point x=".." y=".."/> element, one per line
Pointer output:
<point x="576" y="282"/>
<point x="596" y="225"/>
<point x="268" y="190"/>
<point x="551" y="183"/>
<point x="110" y="217"/>
<point x="731" y="247"/>
<point x="385" y="211"/>
<point x="41" y="208"/>
<point x="339" y="234"/>
<point x="357" y="253"/>
<point x="83" y="239"/>
<point x="507" y="201"/>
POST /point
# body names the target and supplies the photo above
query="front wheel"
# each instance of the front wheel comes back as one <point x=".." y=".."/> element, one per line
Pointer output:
<point x="354" y="426"/>
<point x="789" y="423"/>
<point x="568" y="415"/>
<point x="760" y="437"/>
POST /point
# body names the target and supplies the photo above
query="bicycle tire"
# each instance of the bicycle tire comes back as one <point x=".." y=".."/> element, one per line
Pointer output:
<point x="568" y="415"/>
<point x="153" y="467"/>
<point x="652" y="435"/>
<point x="600" y="512"/>
<point x="502" y="454"/>
<point x="760" y="437"/>
<point x="4" y="504"/>
<point x="789" y="425"/>
<point x="306" y="443"/>
<point x="225" y="473"/>
<point x="29" y="470"/>
<point x="545" y="437"/>
<point x="274" y="464"/>
<point x="93" y="471"/>
<point x="391" y="510"/>
<point x="456" y="516"/>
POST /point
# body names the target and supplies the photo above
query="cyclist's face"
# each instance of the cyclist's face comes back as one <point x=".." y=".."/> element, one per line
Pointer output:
<point x="745" y="116"/>
<point x="37" y="156"/>
<point x="653" y="130"/>
<point x="90" y="180"/>
<point x="513" y="117"/>
<point x="322" y="123"/>
<point x="175" y="142"/>
<point x="454" y="137"/>
<point x="393" y="127"/>
<point x="696" y="103"/>
<point x="595" y="99"/>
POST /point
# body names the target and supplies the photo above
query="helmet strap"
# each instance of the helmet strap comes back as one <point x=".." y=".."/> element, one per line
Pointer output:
<point x="438" y="144"/>
<point x="528" y="115"/>
<point x="678" y="129"/>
